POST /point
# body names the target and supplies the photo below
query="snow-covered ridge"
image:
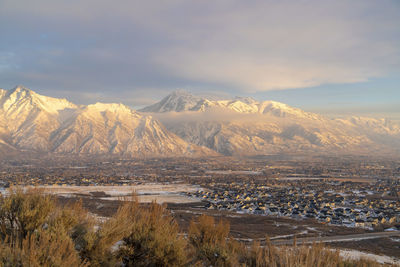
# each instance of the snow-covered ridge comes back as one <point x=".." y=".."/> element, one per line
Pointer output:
<point x="246" y="126"/>
<point x="180" y="101"/>
<point x="112" y="107"/>
<point x="21" y="96"/>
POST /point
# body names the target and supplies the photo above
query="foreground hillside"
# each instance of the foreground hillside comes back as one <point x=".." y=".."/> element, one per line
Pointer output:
<point x="35" y="231"/>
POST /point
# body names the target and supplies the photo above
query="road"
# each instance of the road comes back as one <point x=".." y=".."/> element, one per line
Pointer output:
<point x="337" y="238"/>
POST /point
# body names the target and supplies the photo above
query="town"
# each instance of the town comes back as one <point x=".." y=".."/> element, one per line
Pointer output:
<point x="353" y="204"/>
<point x="344" y="191"/>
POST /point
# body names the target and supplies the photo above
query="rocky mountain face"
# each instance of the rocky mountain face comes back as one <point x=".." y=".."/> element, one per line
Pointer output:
<point x="244" y="126"/>
<point x="29" y="121"/>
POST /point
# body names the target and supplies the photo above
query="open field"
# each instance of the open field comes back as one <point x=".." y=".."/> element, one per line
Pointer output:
<point x="146" y="193"/>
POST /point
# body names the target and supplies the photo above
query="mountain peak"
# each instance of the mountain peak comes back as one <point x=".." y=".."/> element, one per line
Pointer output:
<point x="180" y="92"/>
<point x="20" y="89"/>
<point x="246" y="99"/>
<point x="182" y="96"/>
<point x="26" y="99"/>
<point x="17" y="94"/>
<point x="179" y="100"/>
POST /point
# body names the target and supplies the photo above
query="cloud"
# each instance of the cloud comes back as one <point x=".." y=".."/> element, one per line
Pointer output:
<point x="267" y="45"/>
<point x="213" y="115"/>
<point x="252" y="46"/>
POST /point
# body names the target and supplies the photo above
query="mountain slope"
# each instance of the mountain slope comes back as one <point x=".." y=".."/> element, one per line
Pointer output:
<point x="245" y="126"/>
<point x="114" y="128"/>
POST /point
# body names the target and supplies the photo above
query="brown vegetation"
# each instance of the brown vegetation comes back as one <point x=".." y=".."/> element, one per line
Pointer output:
<point x="35" y="231"/>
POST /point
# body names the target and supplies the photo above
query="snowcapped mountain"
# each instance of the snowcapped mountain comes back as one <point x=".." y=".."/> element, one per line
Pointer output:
<point x="115" y="128"/>
<point x="29" y="121"/>
<point x="183" y="125"/>
<point x="27" y="118"/>
<point x="179" y="100"/>
<point x="244" y="126"/>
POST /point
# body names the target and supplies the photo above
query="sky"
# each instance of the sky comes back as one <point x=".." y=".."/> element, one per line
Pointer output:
<point x="335" y="57"/>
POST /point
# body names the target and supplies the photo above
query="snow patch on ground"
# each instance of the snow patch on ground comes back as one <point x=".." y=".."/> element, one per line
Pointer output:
<point x="161" y="193"/>
<point x="290" y="235"/>
<point x="355" y="254"/>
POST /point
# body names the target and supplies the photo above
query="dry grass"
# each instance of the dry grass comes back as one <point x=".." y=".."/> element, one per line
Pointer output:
<point x="300" y="256"/>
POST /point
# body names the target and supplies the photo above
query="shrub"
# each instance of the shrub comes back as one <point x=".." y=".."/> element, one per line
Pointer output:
<point x="34" y="232"/>
<point x="21" y="213"/>
<point x="211" y="245"/>
<point x="99" y="248"/>
<point x="153" y="239"/>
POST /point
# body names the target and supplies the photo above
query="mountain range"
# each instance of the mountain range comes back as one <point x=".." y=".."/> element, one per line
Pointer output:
<point x="29" y="121"/>
<point x="184" y="125"/>
<point x="244" y="126"/>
